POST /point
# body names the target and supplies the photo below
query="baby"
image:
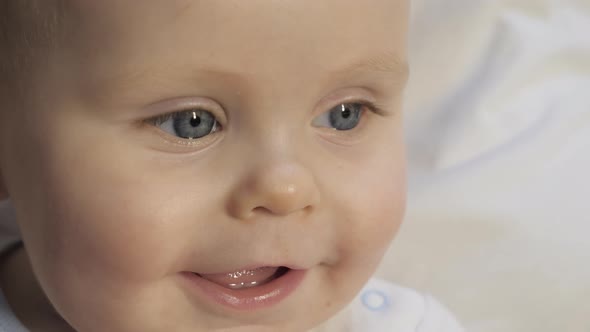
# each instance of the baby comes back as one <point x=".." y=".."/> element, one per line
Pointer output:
<point x="204" y="165"/>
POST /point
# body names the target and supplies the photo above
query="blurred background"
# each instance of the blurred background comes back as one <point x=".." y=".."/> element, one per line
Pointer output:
<point x="498" y="131"/>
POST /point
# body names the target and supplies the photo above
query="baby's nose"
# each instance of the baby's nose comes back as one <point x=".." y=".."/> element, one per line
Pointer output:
<point x="277" y="188"/>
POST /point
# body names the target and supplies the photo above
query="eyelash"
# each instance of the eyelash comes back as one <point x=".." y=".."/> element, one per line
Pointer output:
<point x="158" y="120"/>
<point x="373" y="107"/>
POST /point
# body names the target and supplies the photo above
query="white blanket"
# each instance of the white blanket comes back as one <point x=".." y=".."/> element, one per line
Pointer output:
<point x="498" y="128"/>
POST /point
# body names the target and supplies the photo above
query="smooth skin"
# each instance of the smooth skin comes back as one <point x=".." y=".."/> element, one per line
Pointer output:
<point x="112" y="207"/>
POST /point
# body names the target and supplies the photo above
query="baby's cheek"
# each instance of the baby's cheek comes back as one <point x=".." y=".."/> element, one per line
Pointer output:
<point x="378" y="216"/>
<point x="380" y="193"/>
<point x="112" y="228"/>
<point x="365" y="227"/>
<point x="107" y="218"/>
<point x="376" y="206"/>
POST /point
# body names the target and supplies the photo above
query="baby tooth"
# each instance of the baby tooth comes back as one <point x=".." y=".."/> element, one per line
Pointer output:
<point x="243" y="285"/>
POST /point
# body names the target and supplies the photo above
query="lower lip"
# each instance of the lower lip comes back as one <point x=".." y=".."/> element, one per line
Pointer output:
<point x="248" y="299"/>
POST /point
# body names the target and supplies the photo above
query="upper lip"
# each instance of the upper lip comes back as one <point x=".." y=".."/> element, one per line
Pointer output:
<point x="254" y="267"/>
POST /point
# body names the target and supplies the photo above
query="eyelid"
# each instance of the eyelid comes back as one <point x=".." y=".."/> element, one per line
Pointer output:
<point x="353" y="95"/>
<point x="373" y="106"/>
<point x="159" y="119"/>
<point x="183" y="104"/>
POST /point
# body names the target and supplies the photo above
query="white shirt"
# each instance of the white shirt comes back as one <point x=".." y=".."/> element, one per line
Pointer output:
<point x="382" y="306"/>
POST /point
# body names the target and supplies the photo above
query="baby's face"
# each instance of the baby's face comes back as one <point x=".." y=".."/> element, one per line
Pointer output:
<point x="284" y="149"/>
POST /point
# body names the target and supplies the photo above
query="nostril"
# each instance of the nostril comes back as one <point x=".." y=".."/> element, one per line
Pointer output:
<point x="292" y="213"/>
<point x="261" y="210"/>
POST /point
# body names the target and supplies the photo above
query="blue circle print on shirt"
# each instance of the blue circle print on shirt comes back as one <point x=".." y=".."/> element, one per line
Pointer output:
<point x="375" y="300"/>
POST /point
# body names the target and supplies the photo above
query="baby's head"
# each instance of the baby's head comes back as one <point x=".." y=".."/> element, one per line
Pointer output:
<point x="203" y="165"/>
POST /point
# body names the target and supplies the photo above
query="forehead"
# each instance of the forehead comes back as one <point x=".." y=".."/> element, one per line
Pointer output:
<point x="249" y="40"/>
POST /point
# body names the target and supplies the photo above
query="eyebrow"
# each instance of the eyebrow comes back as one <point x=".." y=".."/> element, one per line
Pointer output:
<point x="387" y="63"/>
<point x="384" y="62"/>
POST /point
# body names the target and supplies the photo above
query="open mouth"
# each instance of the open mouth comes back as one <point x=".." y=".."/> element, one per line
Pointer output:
<point x="246" y="289"/>
<point x="246" y="278"/>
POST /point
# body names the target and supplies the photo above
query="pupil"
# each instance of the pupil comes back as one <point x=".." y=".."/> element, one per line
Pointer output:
<point x="195" y="120"/>
<point x="345" y="113"/>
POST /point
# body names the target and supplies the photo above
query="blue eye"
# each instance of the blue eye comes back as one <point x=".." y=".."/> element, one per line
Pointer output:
<point x="342" y="117"/>
<point x="191" y="124"/>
